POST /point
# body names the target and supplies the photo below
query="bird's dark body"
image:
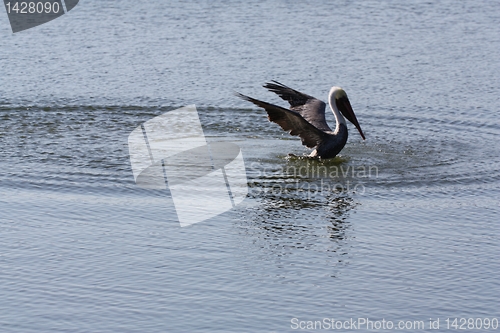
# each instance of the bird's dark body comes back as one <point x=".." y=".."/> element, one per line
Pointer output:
<point x="330" y="147"/>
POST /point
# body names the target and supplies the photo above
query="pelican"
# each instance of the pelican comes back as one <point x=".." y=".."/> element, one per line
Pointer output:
<point x="306" y="118"/>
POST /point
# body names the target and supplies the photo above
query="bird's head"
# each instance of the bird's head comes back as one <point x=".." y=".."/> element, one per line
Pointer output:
<point x="339" y="97"/>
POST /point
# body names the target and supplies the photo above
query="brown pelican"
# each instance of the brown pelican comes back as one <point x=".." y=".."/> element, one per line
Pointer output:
<point x="306" y="118"/>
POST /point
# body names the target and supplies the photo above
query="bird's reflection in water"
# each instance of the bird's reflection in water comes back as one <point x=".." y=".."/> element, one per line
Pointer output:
<point x="303" y="233"/>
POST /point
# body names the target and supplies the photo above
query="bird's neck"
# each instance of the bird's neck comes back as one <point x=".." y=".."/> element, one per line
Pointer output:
<point x="339" y="118"/>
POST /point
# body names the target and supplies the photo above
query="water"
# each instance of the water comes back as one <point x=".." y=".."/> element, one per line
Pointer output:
<point x="401" y="227"/>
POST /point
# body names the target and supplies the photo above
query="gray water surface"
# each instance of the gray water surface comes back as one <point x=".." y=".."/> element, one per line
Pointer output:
<point x="402" y="227"/>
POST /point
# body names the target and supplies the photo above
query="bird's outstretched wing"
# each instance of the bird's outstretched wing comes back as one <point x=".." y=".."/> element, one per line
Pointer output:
<point x="291" y="121"/>
<point x="310" y="108"/>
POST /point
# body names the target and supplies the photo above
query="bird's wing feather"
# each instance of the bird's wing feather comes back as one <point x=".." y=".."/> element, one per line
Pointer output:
<point x="310" y="108"/>
<point x="290" y="121"/>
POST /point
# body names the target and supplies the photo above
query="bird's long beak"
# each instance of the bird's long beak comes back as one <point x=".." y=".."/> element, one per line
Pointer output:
<point x="344" y="106"/>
